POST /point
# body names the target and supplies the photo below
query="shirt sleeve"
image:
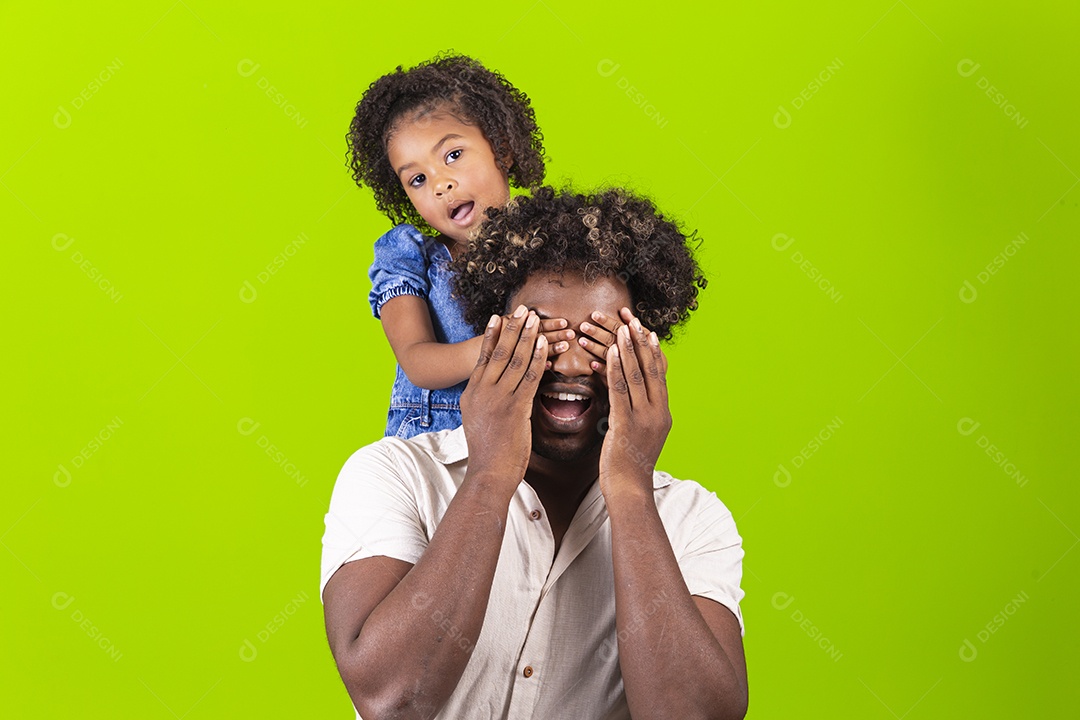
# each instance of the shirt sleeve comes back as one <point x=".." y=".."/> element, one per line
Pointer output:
<point x="372" y="512"/>
<point x="711" y="562"/>
<point x="400" y="267"/>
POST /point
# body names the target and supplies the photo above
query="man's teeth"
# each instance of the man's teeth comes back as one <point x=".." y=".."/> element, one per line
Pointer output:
<point x="565" y="396"/>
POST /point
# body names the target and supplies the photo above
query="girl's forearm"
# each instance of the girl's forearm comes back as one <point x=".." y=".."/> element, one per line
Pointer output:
<point x="434" y="365"/>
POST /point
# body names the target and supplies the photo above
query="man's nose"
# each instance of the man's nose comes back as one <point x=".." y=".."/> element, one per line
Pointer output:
<point x="575" y="362"/>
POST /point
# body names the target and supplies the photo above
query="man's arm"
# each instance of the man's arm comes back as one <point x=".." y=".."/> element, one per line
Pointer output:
<point x="402" y="634"/>
<point x="680" y="656"/>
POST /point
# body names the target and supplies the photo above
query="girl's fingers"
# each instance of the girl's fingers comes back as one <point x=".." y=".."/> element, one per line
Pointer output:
<point x="549" y="325"/>
<point x="597" y="350"/>
<point x="558" y="341"/>
<point x="602" y="328"/>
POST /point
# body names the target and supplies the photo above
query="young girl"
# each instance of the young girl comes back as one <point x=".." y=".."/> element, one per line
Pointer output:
<point x="438" y="144"/>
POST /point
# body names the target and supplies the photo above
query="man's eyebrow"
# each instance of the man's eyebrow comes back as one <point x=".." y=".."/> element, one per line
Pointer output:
<point x="434" y="149"/>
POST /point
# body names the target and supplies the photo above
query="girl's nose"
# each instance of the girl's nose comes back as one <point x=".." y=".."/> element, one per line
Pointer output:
<point x="443" y="186"/>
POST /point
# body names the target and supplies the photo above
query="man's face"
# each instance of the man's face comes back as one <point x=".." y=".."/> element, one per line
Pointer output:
<point x="448" y="171"/>
<point x="572" y="398"/>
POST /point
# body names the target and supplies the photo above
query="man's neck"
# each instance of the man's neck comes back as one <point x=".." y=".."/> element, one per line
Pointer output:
<point x="561" y="486"/>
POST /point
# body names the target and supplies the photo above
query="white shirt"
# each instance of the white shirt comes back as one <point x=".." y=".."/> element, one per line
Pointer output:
<point x="548" y="646"/>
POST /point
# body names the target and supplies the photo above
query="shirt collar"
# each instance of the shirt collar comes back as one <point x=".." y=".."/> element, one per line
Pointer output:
<point x="449" y="447"/>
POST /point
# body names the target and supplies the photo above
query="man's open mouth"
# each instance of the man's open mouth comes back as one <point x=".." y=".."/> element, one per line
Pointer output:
<point x="462" y="211"/>
<point x="565" y="406"/>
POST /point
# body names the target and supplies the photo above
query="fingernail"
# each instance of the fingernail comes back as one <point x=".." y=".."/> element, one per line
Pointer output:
<point x="531" y="322"/>
<point x="636" y="324"/>
<point x="655" y="341"/>
<point x="521" y="310"/>
<point x="494" y="319"/>
<point x="583" y="342"/>
<point x="586" y="327"/>
<point x="598" y="316"/>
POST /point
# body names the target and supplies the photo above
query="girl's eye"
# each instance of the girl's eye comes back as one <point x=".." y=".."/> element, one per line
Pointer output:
<point x="453" y="155"/>
<point x="417" y="181"/>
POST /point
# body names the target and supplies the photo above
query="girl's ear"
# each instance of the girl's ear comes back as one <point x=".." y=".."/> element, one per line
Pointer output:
<point x="505" y="163"/>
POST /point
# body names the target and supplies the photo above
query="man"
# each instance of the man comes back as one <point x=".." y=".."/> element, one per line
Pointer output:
<point x="532" y="563"/>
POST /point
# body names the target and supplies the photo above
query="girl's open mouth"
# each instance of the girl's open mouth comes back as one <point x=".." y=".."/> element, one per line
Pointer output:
<point x="461" y="211"/>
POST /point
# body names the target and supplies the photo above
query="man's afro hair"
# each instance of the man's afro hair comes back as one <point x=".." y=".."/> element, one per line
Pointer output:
<point x="608" y="233"/>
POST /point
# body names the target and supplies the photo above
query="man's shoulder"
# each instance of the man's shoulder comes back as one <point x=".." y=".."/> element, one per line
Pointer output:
<point x="445" y="447"/>
<point x="685" y="496"/>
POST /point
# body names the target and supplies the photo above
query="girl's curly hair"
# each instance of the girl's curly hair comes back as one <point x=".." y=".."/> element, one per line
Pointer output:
<point x="609" y="233"/>
<point x="462" y="86"/>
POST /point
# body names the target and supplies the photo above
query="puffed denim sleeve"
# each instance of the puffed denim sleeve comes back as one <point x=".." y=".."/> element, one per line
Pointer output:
<point x="400" y="267"/>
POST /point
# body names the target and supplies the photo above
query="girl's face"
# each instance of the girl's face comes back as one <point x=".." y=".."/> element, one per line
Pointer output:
<point x="448" y="171"/>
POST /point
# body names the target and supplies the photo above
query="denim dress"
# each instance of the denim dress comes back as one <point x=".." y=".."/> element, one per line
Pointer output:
<point x="409" y="263"/>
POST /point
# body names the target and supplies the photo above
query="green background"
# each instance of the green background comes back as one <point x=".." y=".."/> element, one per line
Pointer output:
<point x="158" y="562"/>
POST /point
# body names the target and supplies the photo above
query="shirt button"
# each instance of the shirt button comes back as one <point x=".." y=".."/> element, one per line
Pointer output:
<point x="535" y="515"/>
<point x="528" y="671"/>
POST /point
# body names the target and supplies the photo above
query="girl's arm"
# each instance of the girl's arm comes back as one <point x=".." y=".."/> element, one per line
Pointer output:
<point x="433" y="365"/>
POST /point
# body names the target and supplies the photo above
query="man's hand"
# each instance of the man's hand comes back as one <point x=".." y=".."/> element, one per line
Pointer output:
<point x="639" y="419"/>
<point x="497" y="404"/>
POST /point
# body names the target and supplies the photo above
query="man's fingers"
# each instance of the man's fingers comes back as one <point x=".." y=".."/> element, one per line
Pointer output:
<point x="631" y="367"/>
<point x="647" y="358"/>
<point x="531" y="379"/>
<point x="491" y="336"/>
<point x="522" y="354"/>
<point x="503" y="353"/>
<point x="618" y="392"/>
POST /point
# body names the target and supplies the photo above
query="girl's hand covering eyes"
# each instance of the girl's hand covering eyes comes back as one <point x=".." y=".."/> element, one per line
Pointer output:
<point x="596" y="337"/>
<point x="557" y="335"/>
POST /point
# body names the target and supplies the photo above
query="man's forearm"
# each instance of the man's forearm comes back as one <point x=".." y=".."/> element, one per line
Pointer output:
<point x="414" y="646"/>
<point x="671" y="663"/>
